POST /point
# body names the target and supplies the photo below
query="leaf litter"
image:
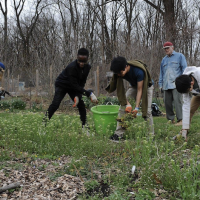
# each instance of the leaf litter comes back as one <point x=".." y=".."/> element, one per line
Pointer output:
<point x="35" y="181"/>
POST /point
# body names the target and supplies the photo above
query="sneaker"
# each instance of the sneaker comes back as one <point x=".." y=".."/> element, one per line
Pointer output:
<point x="171" y="121"/>
<point x="182" y="134"/>
<point x="44" y="121"/>
<point x="85" y="130"/>
<point x="177" y="137"/>
<point x="115" y="137"/>
<point x="179" y="123"/>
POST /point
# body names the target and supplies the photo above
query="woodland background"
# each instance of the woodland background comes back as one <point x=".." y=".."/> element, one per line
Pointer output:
<point x="44" y="35"/>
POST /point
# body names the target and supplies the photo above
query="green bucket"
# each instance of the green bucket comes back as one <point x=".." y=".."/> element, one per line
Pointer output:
<point x="105" y="118"/>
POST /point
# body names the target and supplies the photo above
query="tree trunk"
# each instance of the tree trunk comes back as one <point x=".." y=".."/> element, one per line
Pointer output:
<point x="169" y="18"/>
<point x="5" y="28"/>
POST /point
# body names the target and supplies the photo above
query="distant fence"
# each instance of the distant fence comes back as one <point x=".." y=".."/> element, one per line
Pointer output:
<point x="20" y="88"/>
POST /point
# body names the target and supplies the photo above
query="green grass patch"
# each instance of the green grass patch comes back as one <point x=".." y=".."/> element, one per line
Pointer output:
<point x="161" y="163"/>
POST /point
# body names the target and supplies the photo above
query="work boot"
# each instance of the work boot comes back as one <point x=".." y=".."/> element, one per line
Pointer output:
<point x="179" y="123"/>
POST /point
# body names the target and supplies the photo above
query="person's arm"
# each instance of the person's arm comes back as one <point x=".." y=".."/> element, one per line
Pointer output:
<point x="183" y="63"/>
<point x="8" y="93"/>
<point x="139" y="93"/>
<point x="138" y="97"/>
<point x="74" y="83"/>
<point x="160" y="82"/>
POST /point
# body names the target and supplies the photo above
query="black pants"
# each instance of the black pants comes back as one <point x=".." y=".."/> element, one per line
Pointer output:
<point x="58" y="97"/>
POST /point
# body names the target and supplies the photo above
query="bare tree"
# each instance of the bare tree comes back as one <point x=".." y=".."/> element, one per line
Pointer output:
<point x="5" y="28"/>
<point x="167" y="9"/>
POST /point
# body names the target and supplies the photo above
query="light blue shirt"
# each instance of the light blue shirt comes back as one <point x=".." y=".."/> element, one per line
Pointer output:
<point x="171" y="67"/>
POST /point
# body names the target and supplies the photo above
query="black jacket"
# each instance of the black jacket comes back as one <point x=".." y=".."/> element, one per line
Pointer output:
<point x="73" y="78"/>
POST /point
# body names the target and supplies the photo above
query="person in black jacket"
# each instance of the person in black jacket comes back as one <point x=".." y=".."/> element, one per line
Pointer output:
<point x="72" y="81"/>
<point x="3" y="93"/>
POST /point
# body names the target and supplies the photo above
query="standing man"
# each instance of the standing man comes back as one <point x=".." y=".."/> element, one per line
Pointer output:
<point x="141" y="88"/>
<point x="189" y="85"/>
<point x="172" y="66"/>
<point x="72" y="81"/>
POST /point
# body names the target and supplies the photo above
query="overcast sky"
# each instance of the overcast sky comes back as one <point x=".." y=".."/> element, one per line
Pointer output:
<point x="29" y="7"/>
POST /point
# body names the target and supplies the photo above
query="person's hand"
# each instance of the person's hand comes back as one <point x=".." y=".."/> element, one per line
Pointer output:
<point x="76" y="101"/>
<point x="128" y="108"/>
<point x="160" y="90"/>
<point x="93" y="98"/>
<point x="135" y="111"/>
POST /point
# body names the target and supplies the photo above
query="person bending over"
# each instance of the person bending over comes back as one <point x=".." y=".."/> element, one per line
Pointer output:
<point x="141" y="88"/>
<point x="72" y="81"/>
<point x="188" y="84"/>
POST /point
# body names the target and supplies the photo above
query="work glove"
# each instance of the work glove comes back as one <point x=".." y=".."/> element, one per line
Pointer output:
<point x="160" y="90"/>
<point x="183" y="133"/>
<point x="135" y="111"/>
<point x="128" y="108"/>
<point x="76" y="101"/>
<point x="93" y="98"/>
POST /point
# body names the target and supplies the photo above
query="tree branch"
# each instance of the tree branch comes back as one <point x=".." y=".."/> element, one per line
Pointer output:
<point x="10" y="186"/>
<point x="154" y="6"/>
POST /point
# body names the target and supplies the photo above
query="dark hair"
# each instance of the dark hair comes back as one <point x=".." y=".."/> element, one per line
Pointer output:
<point x="183" y="83"/>
<point x="118" y="64"/>
<point x="83" y="52"/>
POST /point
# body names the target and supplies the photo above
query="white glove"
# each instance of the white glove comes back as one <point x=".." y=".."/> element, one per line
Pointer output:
<point x="93" y="98"/>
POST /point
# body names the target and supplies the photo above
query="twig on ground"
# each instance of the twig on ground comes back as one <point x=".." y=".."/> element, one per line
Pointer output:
<point x="10" y="186"/>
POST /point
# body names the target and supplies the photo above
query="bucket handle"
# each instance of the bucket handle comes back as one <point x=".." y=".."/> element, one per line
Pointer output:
<point x="110" y="103"/>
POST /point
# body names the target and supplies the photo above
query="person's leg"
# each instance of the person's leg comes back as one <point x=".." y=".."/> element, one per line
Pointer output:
<point x="58" y="97"/>
<point x="80" y="106"/>
<point x="119" y="130"/>
<point x="168" y="99"/>
<point x="178" y="102"/>
<point x="149" y="113"/>
<point x="131" y="92"/>
<point x="195" y="103"/>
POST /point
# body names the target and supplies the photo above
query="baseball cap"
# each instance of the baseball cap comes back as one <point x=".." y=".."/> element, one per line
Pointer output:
<point x="167" y="45"/>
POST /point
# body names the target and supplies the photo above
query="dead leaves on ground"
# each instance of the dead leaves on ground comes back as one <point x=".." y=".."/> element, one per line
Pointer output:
<point x="36" y="183"/>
